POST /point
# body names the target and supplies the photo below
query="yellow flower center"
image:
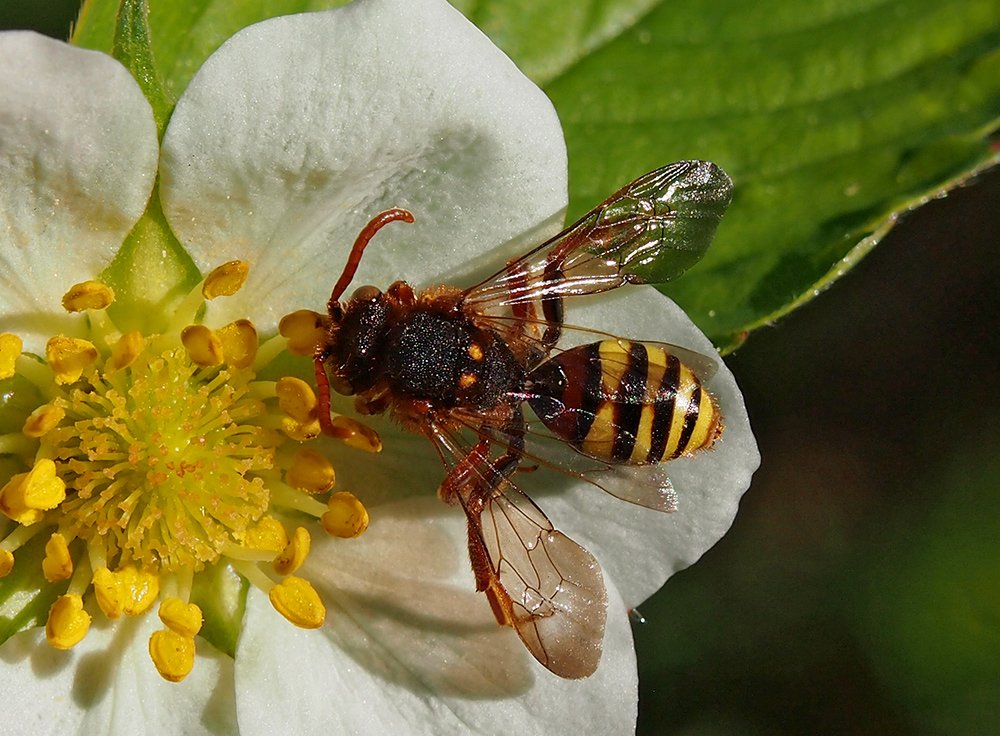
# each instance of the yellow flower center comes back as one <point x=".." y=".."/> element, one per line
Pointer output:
<point x="150" y="459"/>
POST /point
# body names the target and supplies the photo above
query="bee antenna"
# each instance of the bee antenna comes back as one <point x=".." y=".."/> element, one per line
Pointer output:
<point x="367" y="233"/>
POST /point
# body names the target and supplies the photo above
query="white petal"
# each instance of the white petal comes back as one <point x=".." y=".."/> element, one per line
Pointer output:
<point x="639" y="548"/>
<point x="410" y="648"/>
<point x="78" y="157"/>
<point x="302" y="128"/>
<point x="108" y="684"/>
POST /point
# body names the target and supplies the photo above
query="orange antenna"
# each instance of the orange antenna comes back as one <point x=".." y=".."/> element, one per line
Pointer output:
<point x="367" y="233"/>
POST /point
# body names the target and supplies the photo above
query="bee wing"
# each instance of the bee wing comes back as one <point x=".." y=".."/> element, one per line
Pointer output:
<point x="644" y="485"/>
<point x="664" y="220"/>
<point x="542" y="583"/>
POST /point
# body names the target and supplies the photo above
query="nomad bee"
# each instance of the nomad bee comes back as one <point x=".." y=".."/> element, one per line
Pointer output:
<point x="458" y="365"/>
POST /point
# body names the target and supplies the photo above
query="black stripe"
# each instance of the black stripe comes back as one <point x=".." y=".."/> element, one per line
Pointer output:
<point x="690" y="420"/>
<point x="629" y="402"/>
<point x="592" y="393"/>
<point x="663" y="409"/>
<point x="552" y="306"/>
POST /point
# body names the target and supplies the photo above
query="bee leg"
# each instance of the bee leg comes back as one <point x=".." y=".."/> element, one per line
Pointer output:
<point x="468" y="471"/>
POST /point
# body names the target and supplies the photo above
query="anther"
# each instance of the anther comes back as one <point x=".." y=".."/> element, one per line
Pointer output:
<point x="69" y="357"/>
<point x="268" y="534"/>
<point x="172" y="654"/>
<point x="296" y="600"/>
<point x="88" y="295"/>
<point x="27" y="496"/>
<point x="296" y="399"/>
<point x="43" y="420"/>
<point x="57" y="564"/>
<point x="355" y="434"/>
<point x="128" y="591"/>
<point x="184" y="618"/>
<point x="294" y="554"/>
<point x="203" y="346"/>
<point x="10" y="350"/>
<point x="304" y="330"/>
<point x="346" y="516"/>
<point x="225" y="280"/>
<point x="6" y="562"/>
<point x="311" y="472"/>
<point x="125" y="351"/>
<point x="239" y="343"/>
<point x="68" y="623"/>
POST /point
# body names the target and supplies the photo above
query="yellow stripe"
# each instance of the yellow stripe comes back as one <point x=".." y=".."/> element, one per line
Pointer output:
<point x="685" y="387"/>
<point x="657" y="364"/>
<point x="703" y="428"/>
<point x="614" y="359"/>
<point x="600" y="440"/>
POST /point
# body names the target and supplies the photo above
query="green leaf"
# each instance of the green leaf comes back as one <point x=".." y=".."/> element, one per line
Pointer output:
<point x="831" y="117"/>
<point x="185" y="34"/>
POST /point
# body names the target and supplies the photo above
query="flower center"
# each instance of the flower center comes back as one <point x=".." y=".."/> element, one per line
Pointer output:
<point x="150" y="459"/>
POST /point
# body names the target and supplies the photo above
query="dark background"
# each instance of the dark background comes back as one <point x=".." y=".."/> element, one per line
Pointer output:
<point x="859" y="589"/>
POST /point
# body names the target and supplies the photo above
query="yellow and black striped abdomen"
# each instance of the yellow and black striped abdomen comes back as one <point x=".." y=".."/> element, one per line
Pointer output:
<point x="625" y="402"/>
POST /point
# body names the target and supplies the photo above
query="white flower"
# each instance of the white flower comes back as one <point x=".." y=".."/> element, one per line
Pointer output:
<point x="294" y="134"/>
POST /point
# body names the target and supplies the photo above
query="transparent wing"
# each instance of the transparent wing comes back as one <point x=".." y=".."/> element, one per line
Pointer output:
<point x="539" y="581"/>
<point x="650" y="230"/>
<point x="550" y="588"/>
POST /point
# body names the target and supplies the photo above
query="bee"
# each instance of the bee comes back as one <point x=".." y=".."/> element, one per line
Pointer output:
<point x="459" y="365"/>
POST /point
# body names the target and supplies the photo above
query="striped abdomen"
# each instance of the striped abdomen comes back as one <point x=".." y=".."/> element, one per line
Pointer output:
<point x="625" y="402"/>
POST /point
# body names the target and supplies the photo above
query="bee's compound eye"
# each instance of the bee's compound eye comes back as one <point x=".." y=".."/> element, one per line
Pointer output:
<point x="341" y="385"/>
<point x="366" y="294"/>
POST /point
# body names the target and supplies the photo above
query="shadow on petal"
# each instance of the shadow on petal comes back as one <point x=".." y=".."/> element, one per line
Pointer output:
<point x="404" y="607"/>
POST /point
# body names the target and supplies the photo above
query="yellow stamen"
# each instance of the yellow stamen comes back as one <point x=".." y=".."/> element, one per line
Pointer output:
<point x="68" y="623"/>
<point x="125" y="351"/>
<point x="128" y="591"/>
<point x="172" y="653"/>
<point x="267" y="534"/>
<point x="357" y="435"/>
<point x="57" y="564"/>
<point x="296" y="600"/>
<point x="225" y="280"/>
<point x="184" y="618"/>
<point x="10" y="350"/>
<point x="296" y="399"/>
<point x="294" y="554"/>
<point x="203" y="346"/>
<point x="107" y="593"/>
<point x="304" y="330"/>
<point x="43" y="420"/>
<point x="69" y="357"/>
<point x="239" y="343"/>
<point x="347" y="516"/>
<point x="88" y="295"/>
<point x="27" y="495"/>
<point x="6" y="562"/>
<point x="301" y="431"/>
<point x="311" y="472"/>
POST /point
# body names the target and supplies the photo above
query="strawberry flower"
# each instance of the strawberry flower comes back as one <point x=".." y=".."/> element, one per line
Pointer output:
<point x="198" y="559"/>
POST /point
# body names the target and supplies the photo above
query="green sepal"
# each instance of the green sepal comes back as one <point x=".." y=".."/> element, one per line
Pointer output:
<point x="150" y="273"/>
<point x="221" y="594"/>
<point x="25" y="596"/>
<point x="133" y="48"/>
<point x="18" y="398"/>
